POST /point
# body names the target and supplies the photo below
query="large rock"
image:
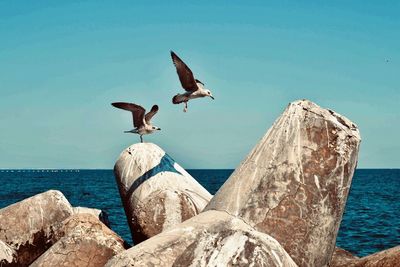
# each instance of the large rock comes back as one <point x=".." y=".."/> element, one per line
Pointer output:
<point x="28" y="226"/>
<point x="342" y="258"/>
<point x="84" y="241"/>
<point x="156" y="192"/>
<point x="101" y="215"/>
<point x="385" y="258"/>
<point x="212" y="238"/>
<point x="294" y="184"/>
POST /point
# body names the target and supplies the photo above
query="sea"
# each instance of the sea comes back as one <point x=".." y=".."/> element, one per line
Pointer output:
<point x="371" y="221"/>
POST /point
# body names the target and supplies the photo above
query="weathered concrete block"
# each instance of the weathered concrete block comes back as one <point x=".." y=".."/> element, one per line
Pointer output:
<point x="100" y="214"/>
<point x="7" y="255"/>
<point x="156" y="192"/>
<point x="84" y="241"/>
<point x="385" y="258"/>
<point x="342" y="258"/>
<point x="294" y="184"/>
<point x="212" y="238"/>
<point x="28" y="226"/>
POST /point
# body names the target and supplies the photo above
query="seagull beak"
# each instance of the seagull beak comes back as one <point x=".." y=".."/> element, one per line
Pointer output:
<point x="212" y="97"/>
<point x="159" y="129"/>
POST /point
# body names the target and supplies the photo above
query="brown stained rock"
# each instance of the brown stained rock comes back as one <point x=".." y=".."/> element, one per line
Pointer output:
<point x="156" y="192"/>
<point x="212" y="238"/>
<point x="342" y="258"/>
<point x="85" y="241"/>
<point x="294" y="184"/>
<point x="385" y="258"/>
<point x="28" y="226"/>
<point x="101" y="215"/>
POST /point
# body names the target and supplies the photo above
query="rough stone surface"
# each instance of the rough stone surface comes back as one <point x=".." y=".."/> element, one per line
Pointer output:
<point x="28" y="226"/>
<point x="294" y="184"/>
<point x="385" y="258"/>
<point x="156" y="192"/>
<point x="212" y="238"/>
<point x="342" y="257"/>
<point x="7" y="255"/>
<point x="84" y="241"/>
<point x="101" y="215"/>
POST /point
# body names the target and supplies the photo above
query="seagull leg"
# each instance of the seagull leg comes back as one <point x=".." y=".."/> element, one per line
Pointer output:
<point x="185" y="108"/>
<point x="141" y="139"/>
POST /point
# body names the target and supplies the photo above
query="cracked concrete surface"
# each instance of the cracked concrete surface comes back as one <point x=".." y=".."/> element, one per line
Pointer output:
<point x="294" y="183"/>
<point x="385" y="258"/>
<point x="212" y="238"/>
<point x="28" y="226"/>
<point x="85" y="241"/>
<point x="101" y="215"/>
<point x="7" y="254"/>
<point x="342" y="258"/>
<point x="156" y="192"/>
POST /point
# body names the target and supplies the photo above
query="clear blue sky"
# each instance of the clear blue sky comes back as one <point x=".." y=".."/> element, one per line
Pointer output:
<point x="63" y="62"/>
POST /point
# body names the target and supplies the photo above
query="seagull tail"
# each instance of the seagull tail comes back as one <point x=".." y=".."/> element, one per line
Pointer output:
<point x="177" y="100"/>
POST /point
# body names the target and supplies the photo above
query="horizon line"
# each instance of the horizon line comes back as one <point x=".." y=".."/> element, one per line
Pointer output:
<point x="100" y="169"/>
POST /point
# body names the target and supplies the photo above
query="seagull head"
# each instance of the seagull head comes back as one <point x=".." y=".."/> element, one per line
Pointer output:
<point x="208" y="93"/>
<point x="156" y="128"/>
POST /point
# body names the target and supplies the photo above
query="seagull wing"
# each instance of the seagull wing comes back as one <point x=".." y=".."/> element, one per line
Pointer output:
<point x="185" y="74"/>
<point x="137" y="112"/>
<point x="197" y="81"/>
<point x="151" y="113"/>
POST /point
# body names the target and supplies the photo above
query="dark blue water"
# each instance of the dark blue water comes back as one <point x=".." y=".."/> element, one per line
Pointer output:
<point x="371" y="221"/>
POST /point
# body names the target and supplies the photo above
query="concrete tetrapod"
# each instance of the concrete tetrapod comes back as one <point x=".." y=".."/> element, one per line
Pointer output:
<point x="84" y="241"/>
<point x="385" y="258"/>
<point x="156" y="192"/>
<point x="101" y="215"/>
<point x="212" y="238"/>
<point x="294" y="183"/>
<point x="28" y="226"/>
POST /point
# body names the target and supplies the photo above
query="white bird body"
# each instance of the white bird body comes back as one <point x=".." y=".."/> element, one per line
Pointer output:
<point x="200" y="92"/>
<point x="145" y="129"/>
<point x="193" y="87"/>
<point x="141" y="121"/>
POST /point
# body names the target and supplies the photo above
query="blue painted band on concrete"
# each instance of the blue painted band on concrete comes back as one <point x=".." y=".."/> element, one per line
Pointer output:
<point x="166" y="165"/>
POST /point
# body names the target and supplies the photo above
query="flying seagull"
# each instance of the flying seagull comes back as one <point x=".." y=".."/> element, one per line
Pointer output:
<point x="141" y="121"/>
<point x="194" y="88"/>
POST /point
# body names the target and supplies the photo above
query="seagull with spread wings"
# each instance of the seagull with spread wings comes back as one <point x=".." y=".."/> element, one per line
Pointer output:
<point x="194" y="88"/>
<point x="141" y="120"/>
